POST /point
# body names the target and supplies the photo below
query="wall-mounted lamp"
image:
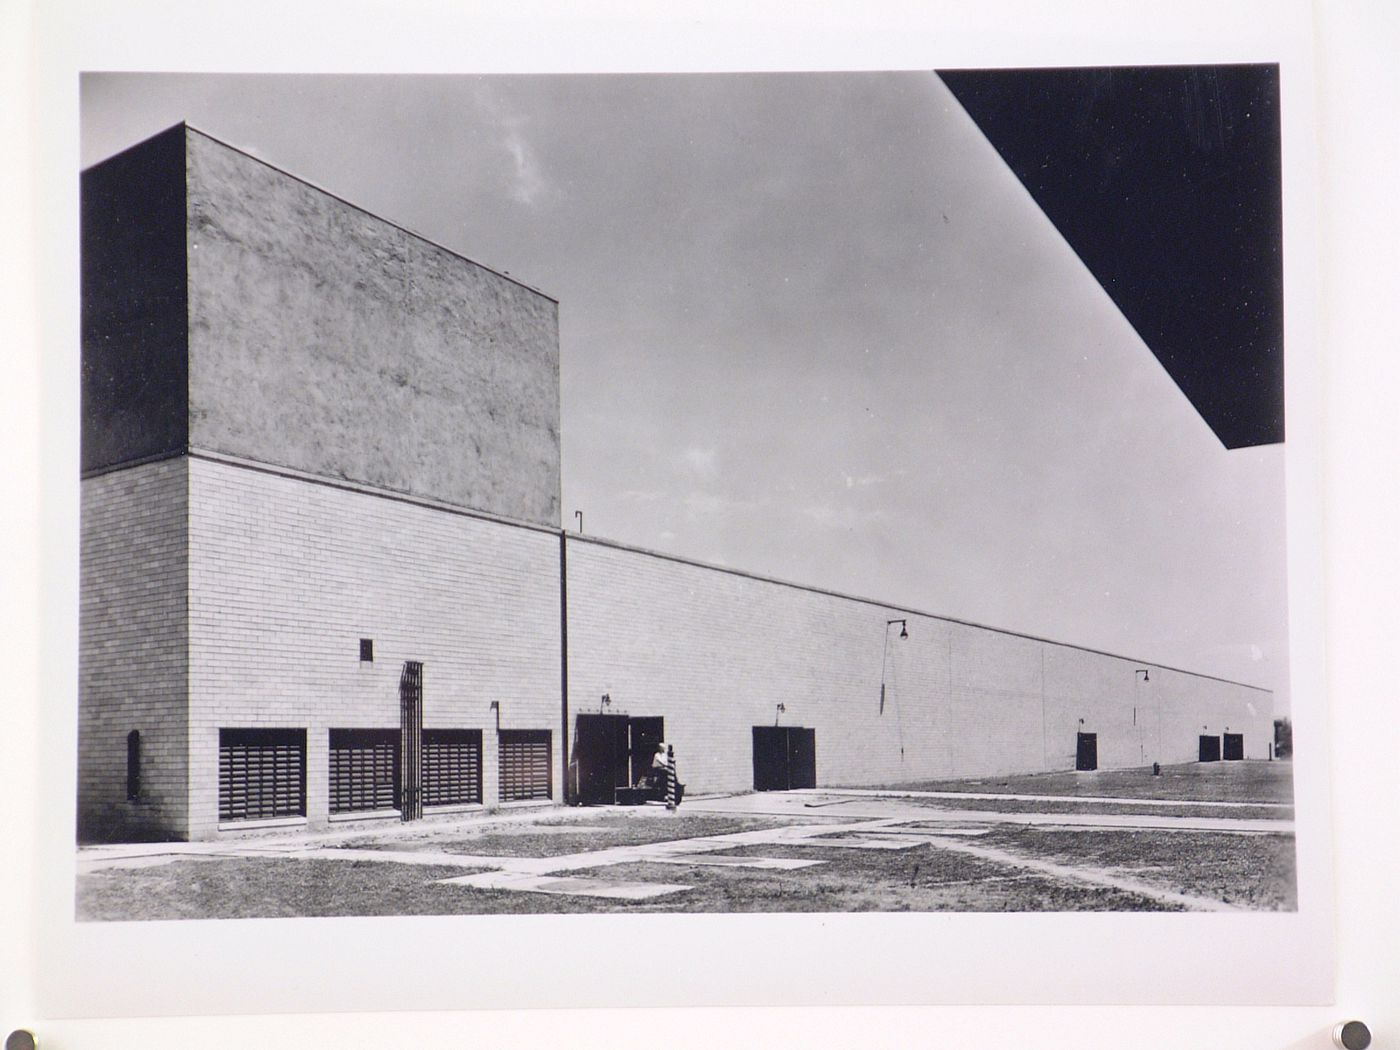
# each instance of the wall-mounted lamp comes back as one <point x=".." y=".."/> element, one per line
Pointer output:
<point x="606" y="701"/>
<point x="579" y="514"/>
<point x="1081" y="721"/>
<point x="782" y="709"/>
<point x="885" y="655"/>
<point x="1142" y="672"/>
<point x="496" y="706"/>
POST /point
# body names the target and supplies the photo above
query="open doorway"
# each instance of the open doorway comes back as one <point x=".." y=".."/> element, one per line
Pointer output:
<point x="611" y="752"/>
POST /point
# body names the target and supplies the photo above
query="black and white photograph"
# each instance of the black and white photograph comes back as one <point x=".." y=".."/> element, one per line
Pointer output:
<point x="686" y="493"/>
<point x="728" y="524"/>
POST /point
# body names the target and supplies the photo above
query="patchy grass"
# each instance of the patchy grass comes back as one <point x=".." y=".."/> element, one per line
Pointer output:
<point x="1143" y="809"/>
<point x="1194" y="782"/>
<point x="559" y="838"/>
<point x="239" y="888"/>
<point x="919" y="879"/>
<point x="1257" y="872"/>
<point x="1249" y="871"/>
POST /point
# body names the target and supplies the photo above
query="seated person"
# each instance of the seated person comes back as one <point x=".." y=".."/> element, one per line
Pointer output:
<point x="655" y="777"/>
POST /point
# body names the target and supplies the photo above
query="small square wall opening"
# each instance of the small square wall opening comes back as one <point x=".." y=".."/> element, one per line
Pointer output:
<point x="367" y="650"/>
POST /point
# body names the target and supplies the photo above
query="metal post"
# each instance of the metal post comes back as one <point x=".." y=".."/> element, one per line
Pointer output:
<point x="671" y="777"/>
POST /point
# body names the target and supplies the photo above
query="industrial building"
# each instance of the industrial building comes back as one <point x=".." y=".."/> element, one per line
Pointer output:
<point x="324" y="577"/>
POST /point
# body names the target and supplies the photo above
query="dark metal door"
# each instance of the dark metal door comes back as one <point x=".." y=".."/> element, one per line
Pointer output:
<point x="600" y="749"/>
<point x="1086" y="755"/>
<point x="802" y="757"/>
<point x="411" y="740"/>
<point x="770" y="758"/>
<point x="1234" y="747"/>
<point x="646" y="733"/>
<point x="1210" y="749"/>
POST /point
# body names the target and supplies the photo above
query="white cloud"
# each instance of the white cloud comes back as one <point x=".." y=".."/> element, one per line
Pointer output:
<point x="529" y="180"/>
<point x="707" y="503"/>
<point x="871" y="479"/>
<point x="525" y="180"/>
<point x="644" y="495"/>
<point x="704" y="461"/>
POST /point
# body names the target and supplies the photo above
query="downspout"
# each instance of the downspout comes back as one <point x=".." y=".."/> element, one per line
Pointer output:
<point x="564" y="661"/>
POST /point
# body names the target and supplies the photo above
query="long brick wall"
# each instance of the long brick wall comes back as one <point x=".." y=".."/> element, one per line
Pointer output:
<point x="220" y="595"/>
<point x="715" y="653"/>
<point x="133" y="666"/>
<point x="287" y="575"/>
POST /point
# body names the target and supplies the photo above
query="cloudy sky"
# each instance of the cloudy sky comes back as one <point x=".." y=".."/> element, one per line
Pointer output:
<point x="812" y="327"/>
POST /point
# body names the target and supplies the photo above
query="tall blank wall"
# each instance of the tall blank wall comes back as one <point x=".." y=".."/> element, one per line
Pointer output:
<point x="715" y="653"/>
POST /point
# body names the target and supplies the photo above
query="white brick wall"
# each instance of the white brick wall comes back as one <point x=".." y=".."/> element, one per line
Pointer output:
<point x="287" y="575"/>
<point x="284" y="576"/>
<point x="132" y="651"/>
<point x="714" y="653"/>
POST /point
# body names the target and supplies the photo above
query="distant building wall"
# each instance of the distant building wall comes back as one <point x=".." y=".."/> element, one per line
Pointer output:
<point x="133" y="662"/>
<point x="287" y="575"/>
<point x="324" y="339"/>
<point x="716" y="652"/>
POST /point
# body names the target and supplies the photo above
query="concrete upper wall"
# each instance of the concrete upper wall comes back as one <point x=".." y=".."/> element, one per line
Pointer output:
<point x="134" y="304"/>
<point x="715" y="653"/>
<point x="325" y="339"/>
<point x="231" y="307"/>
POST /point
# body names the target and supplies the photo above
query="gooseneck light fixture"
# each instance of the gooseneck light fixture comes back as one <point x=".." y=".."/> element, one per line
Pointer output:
<point x="885" y="655"/>
<point x="884" y="666"/>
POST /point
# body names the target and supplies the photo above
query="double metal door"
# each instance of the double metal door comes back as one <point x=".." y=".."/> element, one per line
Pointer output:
<point x="784" y="757"/>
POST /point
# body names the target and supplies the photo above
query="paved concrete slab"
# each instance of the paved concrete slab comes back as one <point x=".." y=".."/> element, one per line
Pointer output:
<point x="525" y="882"/>
<point x="857" y="842"/>
<point x="720" y="860"/>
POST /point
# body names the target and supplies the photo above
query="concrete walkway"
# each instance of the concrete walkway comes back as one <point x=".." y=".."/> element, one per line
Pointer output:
<point x="1097" y="800"/>
<point x="798" y="805"/>
<point x="820" y="819"/>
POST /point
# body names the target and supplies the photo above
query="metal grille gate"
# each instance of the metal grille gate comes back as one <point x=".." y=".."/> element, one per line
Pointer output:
<point x="525" y="764"/>
<point x="364" y="770"/>
<point x="411" y="739"/>
<point x="262" y="773"/>
<point x="451" y="766"/>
